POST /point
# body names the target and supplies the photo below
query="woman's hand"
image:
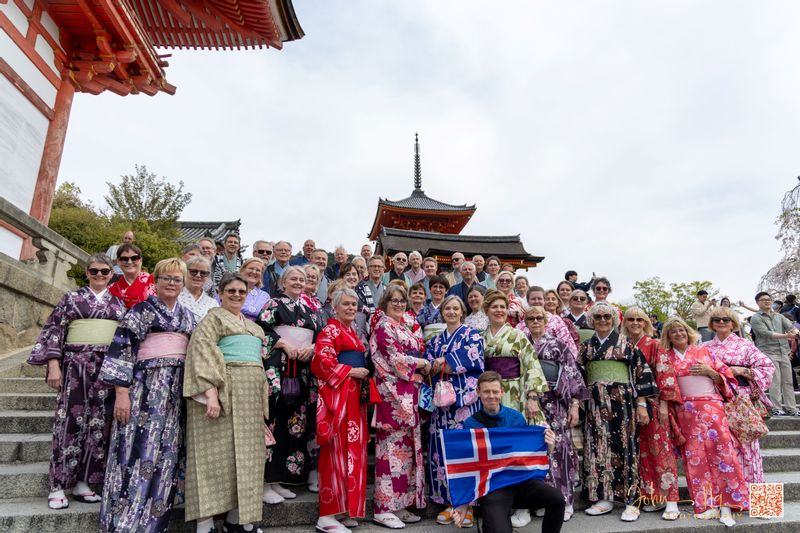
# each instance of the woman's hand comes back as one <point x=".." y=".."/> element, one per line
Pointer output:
<point x="53" y="374"/>
<point x="424" y="366"/>
<point x="663" y="413"/>
<point x="550" y="439"/>
<point x="702" y="369"/>
<point x="288" y="349"/>
<point x="304" y="354"/>
<point x="212" y="404"/>
<point x="358" y="373"/>
<point x="741" y="371"/>
<point x="122" y="405"/>
<point x="438" y="364"/>
<point x="531" y="408"/>
<point x="641" y="415"/>
<point x="574" y="415"/>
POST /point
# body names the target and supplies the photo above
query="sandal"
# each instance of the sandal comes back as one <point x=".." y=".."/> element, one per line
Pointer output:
<point x="630" y="514"/>
<point x="600" y="508"/>
<point x="469" y="519"/>
<point x="389" y="520"/>
<point x="708" y="514"/>
<point x="227" y="527"/>
<point x="670" y="515"/>
<point x="407" y="517"/>
<point x="89" y="497"/>
<point x="569" y="510"/>
<point x="348" y="522"/>
<point x="57" y="503"/>
<point x="445" y="517"/>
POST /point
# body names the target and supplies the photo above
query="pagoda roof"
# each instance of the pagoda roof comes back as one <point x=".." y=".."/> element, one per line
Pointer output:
<point x="419" y="200"/>
<point x="218" y="231"/>
<point x="509" y="248"/>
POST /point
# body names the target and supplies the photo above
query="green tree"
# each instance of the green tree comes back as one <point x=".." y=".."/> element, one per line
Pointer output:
<point x="146" y="197"/>
<point x="654" y="296"/>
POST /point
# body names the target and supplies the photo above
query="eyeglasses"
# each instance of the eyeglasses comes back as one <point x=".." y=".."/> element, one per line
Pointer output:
<point x="129" y="258"/>
<point x="196" y="273"/>
<point x="283" y="250"/>
<point x="397" y="301"/>
<point x="264" y="252"/>
<point x="536" y="318"/>
<point x="600" y="289"/>
<point x="765" y="299"/>
<point x="603" y="317"/>
<point x="400" y="260"/>
<point x="234" y="292"/>
<point x="503" y="280"/>
<point x="170" y="280"/>
<point x="578" y="298"/>
<point x="96" y="271"/>
<point x="634" y="319"/>
<point x="723" y="319"/>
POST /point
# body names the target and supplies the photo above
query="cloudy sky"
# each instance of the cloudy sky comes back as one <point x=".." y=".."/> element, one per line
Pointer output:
<point x="628" y="138"/>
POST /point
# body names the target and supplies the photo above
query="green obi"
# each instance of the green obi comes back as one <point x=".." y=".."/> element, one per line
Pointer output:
<point x="240" y="349"/>
<point x="607" y="371"/>
<point x="91" y="331"/>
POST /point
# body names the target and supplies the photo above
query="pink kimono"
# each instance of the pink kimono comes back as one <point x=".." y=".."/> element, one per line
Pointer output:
<point x="712" y="468"/>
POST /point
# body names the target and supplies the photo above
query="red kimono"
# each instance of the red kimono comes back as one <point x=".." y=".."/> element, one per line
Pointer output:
<point x="342" y="432"/>
<point x="136" y="292"/>
<point x="713" y="472"/>
<point x="658" y="467"/>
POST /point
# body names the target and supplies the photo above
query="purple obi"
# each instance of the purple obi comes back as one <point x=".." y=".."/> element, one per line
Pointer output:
<point x="167" y="344"/>
<point x="507" y="367"/>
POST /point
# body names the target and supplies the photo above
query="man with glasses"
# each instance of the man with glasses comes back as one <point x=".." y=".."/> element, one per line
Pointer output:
<point x="283" y="254"/>
<point x="700" y="311"/>
<point x="399" y="264"/>
<point x="772" y="333"/>
<point x="263" y="250"/>
<point x="454" y="277"/>
<point x="374" y="281"/>
<point x="308" y="248"/>
<point x="229" y="260"/>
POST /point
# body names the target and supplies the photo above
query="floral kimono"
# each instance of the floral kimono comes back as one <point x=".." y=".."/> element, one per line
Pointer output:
<point x="611" y="452"/>
<point x="81" y="424"/>
<point x="710" y="460"/>
<point x="429" y="315"/>
<point x="510" y="353"/>
<point x="199" y="307"/>
<point x="145" y="456"/>
<point x="293" y="425"/>
<point x="399" y="469"/>
<point x="342" y="431"/>
<point x="569" y="385"/>
<point x="557" y="328"/>
<point x="658" y="467"/>
<point x="736" y="351"/>
<point x="516" y="310"/>
<point x="463" y="353"/>
<point x="254" y="303"/>
<point x="136" y="292"/>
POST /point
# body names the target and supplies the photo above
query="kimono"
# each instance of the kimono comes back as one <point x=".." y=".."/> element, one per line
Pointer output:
<point x="311" y="302"/>
<point x="254" y="303"/>
<point x="399" y="468"/>
<point x="292" y="425"/>
<point x="511" y="344"/>
<point x="136" y="292"/>
<point x="463" y="353"/>
<point x="225" y="455"/>
<point x="658" y="467"/>
<point x="580" y="322"/>
<point x="558" y="329"/>
<point x="145" y="456"/>
<point x="611" y="451"/>
<point x="81" y="424"/>
<point x="712" y="468"/>
<point x="429" y="314"/>
<point x="477" y="320"/>
<point x="736" y="351"/>
<point x="564" y="466"/>
<point x="342" y="431"/>
<point x="516" y="310"/>
<point x="199" y="307"/>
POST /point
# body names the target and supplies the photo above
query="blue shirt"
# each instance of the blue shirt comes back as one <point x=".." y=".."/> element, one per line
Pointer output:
<point x="506" y="417"/>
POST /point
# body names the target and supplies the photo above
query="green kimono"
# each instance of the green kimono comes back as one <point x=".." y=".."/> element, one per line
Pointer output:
<point x="512" y="343"/>
<point x="225" y="456"/>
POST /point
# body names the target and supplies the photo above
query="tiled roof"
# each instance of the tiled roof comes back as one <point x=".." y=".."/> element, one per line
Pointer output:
<point x="192" y="231"/>
<point x="418" y="200"/>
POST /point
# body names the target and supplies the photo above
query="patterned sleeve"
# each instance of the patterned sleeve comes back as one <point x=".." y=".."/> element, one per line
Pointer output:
<point x="403" y="366"/>
<point x="574" y="387"/>
<point x="761" y="366"/>
<point x="643" y="379"/>
<point x="466" y="353"/>
<point x="432" y="347"/>
<point x="724" y="371"/>
<point x="205" y="364"/>
<point x="666" y="379"/>
<point x="533" y="379"/>
<point x="325" y="365"/>
<point x="50" y="344"/>
<point x="562" y="334"/>
<point x="118" y="363"/>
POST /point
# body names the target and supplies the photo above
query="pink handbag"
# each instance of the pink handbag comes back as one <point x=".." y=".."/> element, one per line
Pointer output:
<point x="444" y="395"/>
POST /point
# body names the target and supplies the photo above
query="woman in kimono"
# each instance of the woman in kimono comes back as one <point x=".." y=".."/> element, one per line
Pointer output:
<point x="397" y="353"/>
<point x="658" y="468"/>
<point x="193" y="297"/>
<point x="416" y="299"/>
<point x="291" y="328"/>
<point x="552" y="304"/>
<point x="72" y="344"/>
<point x="134" y="285"/>
<point x="457" y="353"/>
<point x="516" y="305"/>
<point x="227" y="401"/>
<point x="560" y="404"/>
<point x="253" y="271"/>
<point x="145" y="365"/>
<point x="618" y="378"/>
<point x="509" y="353"/>
<point x="339" y="365"/>
<point x="476" y="319"/>
<point x="753" y="371"/>
<point x="309" y="295"/>
<point x="564" y="290"/>
<point x="430" y="318"/>
<point x="576" y="313"/>
<point x="694" y="385"/>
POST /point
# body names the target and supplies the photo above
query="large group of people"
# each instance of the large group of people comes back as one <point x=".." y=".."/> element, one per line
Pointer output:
<point x="225" y="382"/>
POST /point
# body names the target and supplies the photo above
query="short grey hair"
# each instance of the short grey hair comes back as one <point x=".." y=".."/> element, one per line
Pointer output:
<point x="341" y="293"/>
<point x="602" y="307"/>
<point x="198" y="260"/>
<point x="465" y="263"/>
<point x="100" y="258"/>
<point x="451" y="298"/>
<point x="191" y="248"/>
<point x="415" y="254"/>
<point x="289" y="269"/>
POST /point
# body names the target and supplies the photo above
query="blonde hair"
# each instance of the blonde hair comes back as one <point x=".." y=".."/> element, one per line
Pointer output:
<point x="260" y="282"/>
<point x="172" y="264"/>
<point x="638" y="312"/>
<point x="673" y="322"/>
<point x="314" y="268"/>
<point x="719" y="312"/>
<point x="491" y="296"/>
<point x="334" y="287"/>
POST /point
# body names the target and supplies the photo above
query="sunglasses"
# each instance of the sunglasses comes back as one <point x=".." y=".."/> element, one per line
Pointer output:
<point x="96" y="271"/>
<point x="503" y="280"/>
<point x="537" y="318"/>
<point x="264" y="252"/>
<point x="129" y="258"/>
<point x="634" y="319"/>
<point x="579" y="298"/>
<point x="600" y="289"/>
<point x="723" y="319"/>
<point x="233" y="292"/>
<point x="200" y="273"/>
<point x="603" y="317"/>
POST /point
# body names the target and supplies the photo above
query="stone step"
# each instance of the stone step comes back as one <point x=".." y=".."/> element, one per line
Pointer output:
<point x="18" y="421"/>
<point x="781" y="439"/>
<point x="24" y="370"/>
<point x="24" y="385"/>
<point x="784" y="423"/>
<point x="25" y="447"/>
<point x="24" y="480"/>
<point x="28" y="401"/>
<point x="31" y="514"/>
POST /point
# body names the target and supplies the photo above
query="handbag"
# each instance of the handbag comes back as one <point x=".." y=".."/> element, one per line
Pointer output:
<point x="425" y="401"/>
<point x="290" y="384"/>
<point x="444" y="395"/>
<point x="743" y="419"/>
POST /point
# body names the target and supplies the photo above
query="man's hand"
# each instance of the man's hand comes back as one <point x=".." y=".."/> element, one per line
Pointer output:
<point x="459" y="513"/>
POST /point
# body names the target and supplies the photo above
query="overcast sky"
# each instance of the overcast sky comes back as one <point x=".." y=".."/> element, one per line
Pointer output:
<point x="628" y="138"/>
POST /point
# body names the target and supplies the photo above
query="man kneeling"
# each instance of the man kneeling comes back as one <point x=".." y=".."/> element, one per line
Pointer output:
<point x="497" y="506"/>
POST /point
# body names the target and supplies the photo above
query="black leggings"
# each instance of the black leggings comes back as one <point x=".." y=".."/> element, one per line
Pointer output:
<point x="497" y="506"/>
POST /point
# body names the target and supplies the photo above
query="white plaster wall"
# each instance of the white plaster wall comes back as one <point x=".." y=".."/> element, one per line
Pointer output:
<point x="26" y="70"/>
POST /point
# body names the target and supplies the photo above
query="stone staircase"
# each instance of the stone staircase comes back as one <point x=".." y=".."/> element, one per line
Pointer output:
<point x="26" y="413"/>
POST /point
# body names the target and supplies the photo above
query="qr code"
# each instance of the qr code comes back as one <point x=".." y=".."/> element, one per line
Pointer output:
<point x="766" y="500"/>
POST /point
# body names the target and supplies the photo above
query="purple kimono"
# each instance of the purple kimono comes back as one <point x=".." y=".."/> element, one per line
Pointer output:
<point x="80" y="427"/>
<point x="145" y="455"/>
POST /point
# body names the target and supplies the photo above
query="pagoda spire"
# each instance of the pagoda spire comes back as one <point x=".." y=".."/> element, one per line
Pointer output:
<point x="417" y="165"/>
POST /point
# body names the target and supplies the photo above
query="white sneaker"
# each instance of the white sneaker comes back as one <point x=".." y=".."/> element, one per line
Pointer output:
<point x="313" y="481"/>
<point x="285" y="493"/>
<point x="270" y="496"/>
<point x="568" y="512"/>
<point x="539" y="512"/>
<point x="521" y="518"/>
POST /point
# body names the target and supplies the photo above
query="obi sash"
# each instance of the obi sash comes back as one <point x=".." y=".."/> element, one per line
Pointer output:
<point x="551" y="370"/>
<point x="91" y="331"/>
<point x="160" y="345"/>
<point x="240" y="348"/>
<point x="507" y="367"/>
<point x="607" y="372"/>
<point x="696" y="386"/>
<point x="431" y="330"/>
<point x="352" y="358"/>
<point x="297" y="337"/>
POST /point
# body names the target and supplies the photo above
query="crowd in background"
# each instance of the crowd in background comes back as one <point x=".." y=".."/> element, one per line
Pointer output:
<point x="225" y="381"/>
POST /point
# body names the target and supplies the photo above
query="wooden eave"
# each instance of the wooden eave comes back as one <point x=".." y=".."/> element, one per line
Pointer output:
<point x="454" y="219"/>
